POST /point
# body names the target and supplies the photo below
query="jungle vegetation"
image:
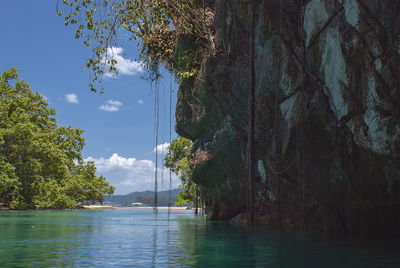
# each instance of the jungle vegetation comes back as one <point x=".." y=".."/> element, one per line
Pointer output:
<point x="153" y="25"/>
<point x="177" y="159"/>
<point x="41" y="165"/>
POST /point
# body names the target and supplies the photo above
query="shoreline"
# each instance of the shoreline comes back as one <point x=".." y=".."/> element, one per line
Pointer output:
<point x="98" y="207"/>
<point x="141" y="207"/>
<point x="93" y="207"/>
<point x="162" y="208"/>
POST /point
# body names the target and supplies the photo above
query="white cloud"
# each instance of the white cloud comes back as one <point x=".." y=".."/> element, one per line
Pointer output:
<point x="124" y="66"/>
<point x="111" y="106"/>
<point x="131" y="174"/>
<point x="112" y="102"/>
<point x="161" y="148"/>
<point x="71" y="98"/>
<point x="140" y="102"/>
<point x="119" y="162"/>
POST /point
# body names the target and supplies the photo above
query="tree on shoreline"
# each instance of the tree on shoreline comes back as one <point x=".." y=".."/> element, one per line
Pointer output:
<point x="177" y="159"/>
<point x="40" y="162"/>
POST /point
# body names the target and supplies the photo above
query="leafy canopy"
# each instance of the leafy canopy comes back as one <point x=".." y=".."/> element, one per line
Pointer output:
<point x="40" y="162"/>
<point x="153" y="24"/>
<point x="177" y="159"/>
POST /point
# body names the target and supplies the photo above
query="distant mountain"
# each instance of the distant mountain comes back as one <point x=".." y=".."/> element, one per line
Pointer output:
<point x="146" y="197"/>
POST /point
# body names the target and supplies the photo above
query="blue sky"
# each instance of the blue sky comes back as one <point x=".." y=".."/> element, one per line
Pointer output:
<point x="119" y="125"/>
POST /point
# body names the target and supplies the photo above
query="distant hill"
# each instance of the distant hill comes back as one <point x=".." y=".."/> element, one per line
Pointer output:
<point x="146" y="197"/>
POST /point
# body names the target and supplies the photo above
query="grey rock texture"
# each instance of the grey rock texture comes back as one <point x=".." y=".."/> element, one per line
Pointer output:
<point x="327" y="114"/>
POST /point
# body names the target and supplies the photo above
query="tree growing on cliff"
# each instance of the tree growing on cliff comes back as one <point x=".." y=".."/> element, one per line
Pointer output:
<point x="153" y="24"/>
<point x="40" y="162"/>
<point x="177" y="159"/>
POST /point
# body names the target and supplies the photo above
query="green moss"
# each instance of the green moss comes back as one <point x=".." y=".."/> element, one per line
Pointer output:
<point x="184" y="61"/>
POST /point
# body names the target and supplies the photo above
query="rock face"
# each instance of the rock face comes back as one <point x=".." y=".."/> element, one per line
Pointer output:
<point x="327" y="113"/>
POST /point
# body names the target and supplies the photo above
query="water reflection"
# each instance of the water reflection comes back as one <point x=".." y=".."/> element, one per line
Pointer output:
<point x="211" y="244"/>
<point x="154" y="257"/>
<point x="184" y="240"/>
<point x="138" y="238"/>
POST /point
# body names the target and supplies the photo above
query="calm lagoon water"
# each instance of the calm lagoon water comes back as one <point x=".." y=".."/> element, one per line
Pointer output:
<point x="138" y="238"/>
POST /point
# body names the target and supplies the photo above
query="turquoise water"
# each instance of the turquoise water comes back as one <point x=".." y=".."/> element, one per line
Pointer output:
<point x="137" y="238"/>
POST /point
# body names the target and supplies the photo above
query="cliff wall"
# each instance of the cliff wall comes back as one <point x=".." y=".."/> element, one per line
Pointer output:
<point x="327" y="113"/>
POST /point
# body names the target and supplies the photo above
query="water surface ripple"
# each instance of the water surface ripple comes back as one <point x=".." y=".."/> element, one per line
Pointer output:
<point x="138" y="238"/>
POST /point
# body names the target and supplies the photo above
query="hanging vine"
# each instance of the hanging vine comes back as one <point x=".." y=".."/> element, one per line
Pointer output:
<point x="154" y="25"/>
<point x="300" y="128"/>
<point x="170" y="141"/>
<point x="157" y="120"/>
<point x="251" y="135"/>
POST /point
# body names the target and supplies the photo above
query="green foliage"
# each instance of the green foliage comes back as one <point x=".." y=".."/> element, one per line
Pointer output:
<point x="8" y="179"/>
<point x="41" y="163"/>
<point x="178" y="153"/>
<point x="177" y="159"/>
<point x="186" y="52"/>
<point x="153" y="24"/>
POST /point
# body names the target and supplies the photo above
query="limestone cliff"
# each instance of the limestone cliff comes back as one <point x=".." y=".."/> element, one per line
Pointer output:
<point x="327" y="113"/>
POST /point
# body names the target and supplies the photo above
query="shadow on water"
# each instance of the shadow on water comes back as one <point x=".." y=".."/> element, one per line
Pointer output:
<point x="210" y="244"/>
